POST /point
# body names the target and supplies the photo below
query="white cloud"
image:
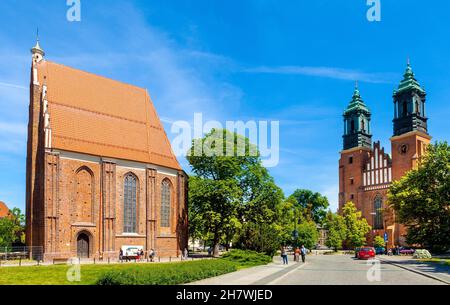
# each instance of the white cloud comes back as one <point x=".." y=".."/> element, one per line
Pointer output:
<point x="327" y="72"/>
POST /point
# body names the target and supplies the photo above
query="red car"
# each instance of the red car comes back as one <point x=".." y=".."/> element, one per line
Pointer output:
<point x="366" y="253"/>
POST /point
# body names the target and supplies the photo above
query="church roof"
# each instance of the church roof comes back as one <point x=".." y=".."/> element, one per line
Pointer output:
<point x="356" y="104"/>
<point x="4" y="210"/>
<point x="103" y="117"/>
<point x="409" y="81"/>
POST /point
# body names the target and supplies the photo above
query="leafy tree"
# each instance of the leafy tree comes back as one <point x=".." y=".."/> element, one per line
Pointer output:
<point x="421" y="199"/>
<point x="230" y="188"/>
<point x="378" y="242"/>
<point x="314" y="205"/>
<point x="356" y="226"/>
<point x="337" y="231"/>
<point x="308" y="235"/>
<point x="12" y="228"/>
<point x="263" y="238"/>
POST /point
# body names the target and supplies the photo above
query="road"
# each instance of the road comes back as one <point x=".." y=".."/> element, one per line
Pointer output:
<point x="324" y="270"/>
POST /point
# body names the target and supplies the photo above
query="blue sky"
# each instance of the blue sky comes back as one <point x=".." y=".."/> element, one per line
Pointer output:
<point x="292" y="61"/>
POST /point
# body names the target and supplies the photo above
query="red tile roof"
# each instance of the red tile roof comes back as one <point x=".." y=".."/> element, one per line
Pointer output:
<point x="103" y="117"/>
<point x="4" y="210"/>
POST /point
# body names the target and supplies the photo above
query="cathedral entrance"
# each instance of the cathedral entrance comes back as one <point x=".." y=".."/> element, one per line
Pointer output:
<point x="83" y="245"/>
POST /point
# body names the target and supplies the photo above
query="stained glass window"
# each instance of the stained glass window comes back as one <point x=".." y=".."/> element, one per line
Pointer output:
<point x="165" y="204"/>
<point x="129" y="206"/>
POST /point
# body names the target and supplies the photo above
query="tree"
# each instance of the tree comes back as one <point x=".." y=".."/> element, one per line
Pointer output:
<point x="337" y="231"/>
<point x="12" y="228"/>
<point x="314" y="205"/>
<point x="378" y="242"/>
<point x="421" y="199"/>
<point x="356" y="226"/>
<point x="308" y="235"/>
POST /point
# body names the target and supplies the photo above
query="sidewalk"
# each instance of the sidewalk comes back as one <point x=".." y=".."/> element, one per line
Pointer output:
<point x="260" y="275"/>
<point x="433" y="270"/>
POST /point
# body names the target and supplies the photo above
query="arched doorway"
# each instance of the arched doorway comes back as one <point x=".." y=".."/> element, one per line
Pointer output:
<point x="83" y="245"/>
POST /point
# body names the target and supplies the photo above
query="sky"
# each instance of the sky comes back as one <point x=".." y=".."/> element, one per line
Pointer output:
<point x="295" y="62"/>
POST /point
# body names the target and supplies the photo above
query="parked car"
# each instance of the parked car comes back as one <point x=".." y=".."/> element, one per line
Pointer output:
<point x="366" y="253"/>
<point x="406" y="251"/>
<point x="380" y="250"/>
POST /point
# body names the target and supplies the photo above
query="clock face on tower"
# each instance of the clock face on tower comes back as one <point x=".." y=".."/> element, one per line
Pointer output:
<point x="403" y="148"/>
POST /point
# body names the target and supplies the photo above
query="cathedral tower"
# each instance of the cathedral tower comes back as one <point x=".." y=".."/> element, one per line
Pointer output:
<point x="410" y="124"/>
<point x="357" y="145"/>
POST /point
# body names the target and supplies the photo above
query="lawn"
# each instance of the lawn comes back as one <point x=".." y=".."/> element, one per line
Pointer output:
<point x="437" y="261"/>
<point x="130" y="274"/>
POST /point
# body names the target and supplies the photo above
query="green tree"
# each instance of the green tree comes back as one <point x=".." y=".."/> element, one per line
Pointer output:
<point x="421" y="199"/>
<point x="12" y="228"/>
<point x="356" y="226"/>
<point x="337" y="231"/>
<point x="308" y="234"/>
<point x="378" y="242"/>
<point x="313" y="205"/>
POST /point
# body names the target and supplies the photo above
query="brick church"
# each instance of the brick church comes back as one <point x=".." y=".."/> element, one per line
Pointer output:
<point x="101" y="173"/>
<point x="366" y="171"/>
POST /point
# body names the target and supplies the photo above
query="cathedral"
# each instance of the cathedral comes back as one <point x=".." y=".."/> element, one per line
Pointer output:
<point x="366" y="171"/>
<point x="101" y="173"/>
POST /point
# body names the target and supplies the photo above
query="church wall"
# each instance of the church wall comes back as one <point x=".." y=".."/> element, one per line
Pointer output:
<point x="75" y="193"/>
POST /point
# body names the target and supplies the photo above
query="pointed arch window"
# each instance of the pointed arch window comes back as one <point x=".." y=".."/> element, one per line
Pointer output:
<point x="378" y="213"/>
<point x="165" y="204"/>
<point x="129" y="204"/>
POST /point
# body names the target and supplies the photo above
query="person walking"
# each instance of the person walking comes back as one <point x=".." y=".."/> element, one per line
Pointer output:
<point x="284" y="255"/>
<point x="120" y="255"/>
<point x="297" y="255"/>
<point x="152" y="255"/>
<point x="303" y="253"/>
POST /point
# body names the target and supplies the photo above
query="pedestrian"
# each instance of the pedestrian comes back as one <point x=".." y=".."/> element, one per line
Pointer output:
<point x="303" y="253"/>
<point x="186" y="253"/>
<point x="209" y="251"/>
<point x="120" y="255"/>
<point x="152" y="255"/>
<point x="142" y="255"/>
<point x="284" y="255"/>
<point x="297" y="255"/>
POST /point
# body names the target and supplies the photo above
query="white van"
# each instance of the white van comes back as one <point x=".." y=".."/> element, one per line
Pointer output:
<point x="131" y="252"/>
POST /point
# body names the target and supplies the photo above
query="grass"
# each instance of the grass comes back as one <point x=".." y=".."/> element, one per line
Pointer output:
<point x="133" y="274"/>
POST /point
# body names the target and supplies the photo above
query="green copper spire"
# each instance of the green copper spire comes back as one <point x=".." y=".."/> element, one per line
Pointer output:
<point x="409" y="81"/>
<point x="356" y="103"/>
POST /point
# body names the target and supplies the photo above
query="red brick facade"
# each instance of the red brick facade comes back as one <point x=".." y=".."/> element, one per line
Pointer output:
<point x="366" y="171"/>
<point x="366" y="174"/>
<point x="75" y="181"/>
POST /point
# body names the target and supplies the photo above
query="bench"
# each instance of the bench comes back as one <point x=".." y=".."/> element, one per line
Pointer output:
<point x="60" y="261"/>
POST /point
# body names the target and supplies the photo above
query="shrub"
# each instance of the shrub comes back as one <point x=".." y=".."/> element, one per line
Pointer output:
<point x="421" y="253"/>
<point x="247" y="258"/>
<point x="167" y="274"/>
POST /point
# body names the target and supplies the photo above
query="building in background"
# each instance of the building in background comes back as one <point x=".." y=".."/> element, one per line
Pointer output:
<point x="366" y="171"/>
<point x="4" y="210"/>
<point x="101" y="173"/>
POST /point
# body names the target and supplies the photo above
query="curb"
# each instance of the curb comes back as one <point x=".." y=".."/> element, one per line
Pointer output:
<point x="415" y="271"/>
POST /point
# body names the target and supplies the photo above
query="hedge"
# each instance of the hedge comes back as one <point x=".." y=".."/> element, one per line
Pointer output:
<point x="168" y="274"/>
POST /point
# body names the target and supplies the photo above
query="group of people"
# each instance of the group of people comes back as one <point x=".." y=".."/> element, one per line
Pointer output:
<point x="297" y="253"/>
<point x="151" y="255"/>
<point x="140" y="255"/>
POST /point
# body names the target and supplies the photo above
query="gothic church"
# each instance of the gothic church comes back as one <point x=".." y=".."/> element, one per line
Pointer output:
<point x="101" y="173"/>
<point x="366" y="171"/>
